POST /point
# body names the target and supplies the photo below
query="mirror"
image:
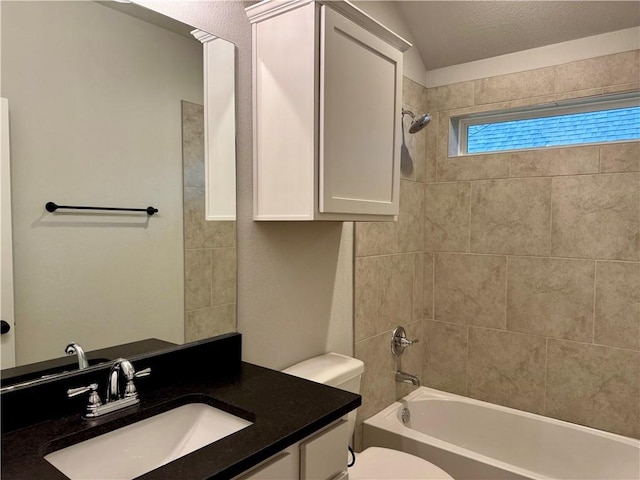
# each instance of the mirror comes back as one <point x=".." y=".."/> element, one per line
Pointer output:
<point x="106" y="109"/>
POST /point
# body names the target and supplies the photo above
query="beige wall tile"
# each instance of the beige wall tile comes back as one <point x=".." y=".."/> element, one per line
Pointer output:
<point x="209" y="322"/>
<point x="523" y="102"/>
<point x="444" y="124"/>
<point x="452" y="96"/>
<point x="197" y="272"/>
<point x="618" y="305"/>
<point x="431" y="149"/>
<point x="193" y="144"/>
<point x="620" y="157"/>
<point x="555" y="161"/>
<point x="198" y="233"/>
<point x="552" y="297"/>
<point x="431" y="100"/>
<point x="395" y="305"/>
<point x="594" y="386"/>
<point x="445" y="357"/>
<point x="366" y="297"/>
<point x="473" y="167"/>
<point x="625" y="87"/>
<point x="375" y="238"/>
<point x="411" y="360"/>
<point x="506" y="368"/>
<point x="418" y="286"/>
<point x="446" y="220"/>
<point x="378" y="388"/>
<point x="511" y="216"/>
<point x="531" y="83"/>
<point x="428" y="285"/>
<point x="619" y="68"/>
<point x="413" y="94"/>
<point x="596" y="216"/>
<point x="410" y="221"/>
<point x="223" y="274"/>
<point x="470" y="289"/>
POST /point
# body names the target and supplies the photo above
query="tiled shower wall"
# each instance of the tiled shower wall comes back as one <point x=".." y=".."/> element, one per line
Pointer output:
<point x="519" y="272"/>
<point x="209" y="247"/>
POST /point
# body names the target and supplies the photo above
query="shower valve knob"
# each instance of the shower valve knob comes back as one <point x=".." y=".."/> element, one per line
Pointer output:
<point x="399" y="341"/>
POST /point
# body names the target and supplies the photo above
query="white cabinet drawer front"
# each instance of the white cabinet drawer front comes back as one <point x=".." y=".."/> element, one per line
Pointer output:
<point x="282" y="466"/>
<point x="324" y="456"/>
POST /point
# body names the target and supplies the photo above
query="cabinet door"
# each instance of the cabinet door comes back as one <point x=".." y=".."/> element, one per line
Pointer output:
<point x="324" y="455"/>
<point x="360" y="101"/>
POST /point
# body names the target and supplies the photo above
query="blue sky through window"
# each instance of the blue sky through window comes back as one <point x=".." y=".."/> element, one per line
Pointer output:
<point x="571" y="129"/>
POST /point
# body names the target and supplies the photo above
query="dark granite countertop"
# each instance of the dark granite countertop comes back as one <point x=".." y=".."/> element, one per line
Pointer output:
<point x="284" y="409"/>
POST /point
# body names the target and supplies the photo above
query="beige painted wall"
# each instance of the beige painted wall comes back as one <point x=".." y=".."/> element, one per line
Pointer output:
<point x="98" y="280"/>
<point x="519" y="272"/>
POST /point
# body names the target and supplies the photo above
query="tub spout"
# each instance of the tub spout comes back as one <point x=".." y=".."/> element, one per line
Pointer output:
<point x="407" y="378"/>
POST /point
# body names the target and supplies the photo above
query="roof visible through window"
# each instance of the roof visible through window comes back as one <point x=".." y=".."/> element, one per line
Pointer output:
<point x="611" y="125"/>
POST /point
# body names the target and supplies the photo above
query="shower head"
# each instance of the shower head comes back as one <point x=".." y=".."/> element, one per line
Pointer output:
<point x="418" y="123"/>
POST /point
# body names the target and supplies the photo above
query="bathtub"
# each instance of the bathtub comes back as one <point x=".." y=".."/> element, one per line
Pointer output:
<point x="475" y="440"/>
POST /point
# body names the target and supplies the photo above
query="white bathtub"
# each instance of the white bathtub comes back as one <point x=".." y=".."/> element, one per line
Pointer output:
<point x="471" y="439"/>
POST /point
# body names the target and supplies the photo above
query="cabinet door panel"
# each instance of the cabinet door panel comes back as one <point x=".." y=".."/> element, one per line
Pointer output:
<point x="359" y="119"/>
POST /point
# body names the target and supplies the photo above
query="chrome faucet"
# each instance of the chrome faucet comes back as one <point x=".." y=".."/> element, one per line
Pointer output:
<point x="407" y="378"/>
<point x="123" y="368"/>
<point x="121" y="371"/>
<point x="75" y="349"/>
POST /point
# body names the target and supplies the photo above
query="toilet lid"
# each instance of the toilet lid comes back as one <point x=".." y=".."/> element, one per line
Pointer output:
<point x="376" y="463"/>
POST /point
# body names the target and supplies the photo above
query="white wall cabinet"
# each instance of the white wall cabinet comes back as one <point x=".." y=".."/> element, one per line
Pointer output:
<point x="327" y="94"/>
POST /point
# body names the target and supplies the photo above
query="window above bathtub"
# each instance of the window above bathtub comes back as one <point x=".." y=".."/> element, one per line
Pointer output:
<point x="612" y="118"/>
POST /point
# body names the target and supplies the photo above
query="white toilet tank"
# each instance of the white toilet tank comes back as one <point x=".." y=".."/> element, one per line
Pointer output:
<point x="334" y="370"/>
<point x="331" y="369"/>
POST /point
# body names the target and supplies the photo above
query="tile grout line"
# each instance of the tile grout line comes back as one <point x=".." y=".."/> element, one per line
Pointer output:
<point x="506" y="293"/>
<point x="433" y="285"/>
<point x="546" y="368"/>
<point x="466" y="366"/>
<point x="544" y="336"/>
<point x="470" y="187"/>
<point x="593" y="313"/>
<point x="551" y="218"/>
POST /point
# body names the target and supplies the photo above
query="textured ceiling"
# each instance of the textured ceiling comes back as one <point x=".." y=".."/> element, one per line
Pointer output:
<point x="453" y="32"/>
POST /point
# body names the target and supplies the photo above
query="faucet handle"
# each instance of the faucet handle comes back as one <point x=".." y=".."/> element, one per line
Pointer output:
<point x="74" y="392"/>
<point x="405" y="342"/>
<point x="399" y="341"/>
<point x="143" y="373"/>
<point x="130" y="390"/>
<point x="94" y="398"/>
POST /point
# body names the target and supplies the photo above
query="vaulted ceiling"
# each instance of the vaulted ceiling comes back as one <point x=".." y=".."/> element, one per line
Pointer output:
<point x="452" y="32"/>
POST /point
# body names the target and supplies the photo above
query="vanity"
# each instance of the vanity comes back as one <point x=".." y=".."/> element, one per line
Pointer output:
<point x="290" y="420"/>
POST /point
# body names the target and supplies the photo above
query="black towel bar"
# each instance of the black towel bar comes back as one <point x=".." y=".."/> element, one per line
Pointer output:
<point x="52" y="207"/>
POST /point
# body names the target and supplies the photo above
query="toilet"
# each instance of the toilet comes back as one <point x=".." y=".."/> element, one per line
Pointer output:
<point x="374" y="463"/>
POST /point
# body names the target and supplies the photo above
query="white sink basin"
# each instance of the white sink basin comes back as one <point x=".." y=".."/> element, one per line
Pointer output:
<point x="138" y="448"/>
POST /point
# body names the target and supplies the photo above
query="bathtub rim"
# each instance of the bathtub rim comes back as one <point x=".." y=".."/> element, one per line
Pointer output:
<point x="382" y="420"/>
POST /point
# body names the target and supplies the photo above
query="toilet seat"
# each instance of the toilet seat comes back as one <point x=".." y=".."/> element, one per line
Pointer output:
<point x="375" y="463"/>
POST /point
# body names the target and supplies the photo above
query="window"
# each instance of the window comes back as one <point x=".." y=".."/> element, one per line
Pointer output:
<point x="605" y="119"/>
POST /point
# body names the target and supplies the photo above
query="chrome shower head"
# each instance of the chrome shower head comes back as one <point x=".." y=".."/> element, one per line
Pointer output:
<point x="418" y="123"/>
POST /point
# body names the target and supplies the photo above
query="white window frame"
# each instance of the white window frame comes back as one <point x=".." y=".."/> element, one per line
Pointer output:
<point x="459" y="125"/>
